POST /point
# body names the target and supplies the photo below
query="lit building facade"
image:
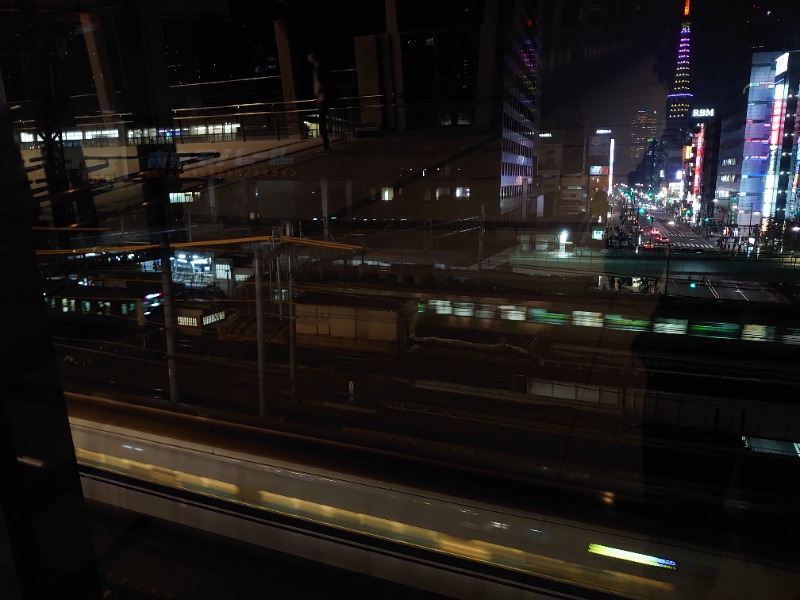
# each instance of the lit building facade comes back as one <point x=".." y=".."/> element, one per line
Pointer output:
<point x="781" y="179"/>
<point x="651" y="171"/>
<point x="600" y="159"/>
<point x="644" y="127"/>
<point x="701" y="175"/>
<point x="479" y="72"/>
<point x="731" y="151"/>
<point x="562" y="163"/>
<point x="756" y="151"/>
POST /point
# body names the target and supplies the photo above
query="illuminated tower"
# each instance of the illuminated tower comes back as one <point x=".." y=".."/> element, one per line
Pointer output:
<point x="679" y="100"/>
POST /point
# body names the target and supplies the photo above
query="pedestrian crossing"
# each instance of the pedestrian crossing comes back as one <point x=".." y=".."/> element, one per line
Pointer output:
<point x="693" y="243"/>
<point x="699" y="245"/>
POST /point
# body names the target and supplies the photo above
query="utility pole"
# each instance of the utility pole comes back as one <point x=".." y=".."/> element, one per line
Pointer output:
<point x="169" y="320"/>
<point x="258" y="258"/>
<point x="292" y="328"/>
<point x="480" y="242"/>
<point x="276" y="240"/>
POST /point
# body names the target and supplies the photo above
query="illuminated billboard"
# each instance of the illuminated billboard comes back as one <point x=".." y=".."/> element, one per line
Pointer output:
<point x="775" y="143"/>
<point x="781" y="64"/>
<point x="598" y="170"/>
<point x="600" y="145"/>
<point x="698" y="166"/>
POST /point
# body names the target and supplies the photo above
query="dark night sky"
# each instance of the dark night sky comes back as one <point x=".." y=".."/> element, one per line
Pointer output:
<point x="721" y="34"/>
<point x="331" y="25"/>
<point x="724" y="35"/>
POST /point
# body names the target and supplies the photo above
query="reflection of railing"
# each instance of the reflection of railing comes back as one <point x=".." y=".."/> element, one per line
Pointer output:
<point x="276" y="120"/>
<point x="228" y="122"/>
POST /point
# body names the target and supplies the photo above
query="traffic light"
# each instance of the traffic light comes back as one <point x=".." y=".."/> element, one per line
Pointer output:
<point x="692" y="284"/>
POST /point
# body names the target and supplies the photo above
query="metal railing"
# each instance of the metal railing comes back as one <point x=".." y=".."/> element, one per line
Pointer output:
<point x="227" y="122"/>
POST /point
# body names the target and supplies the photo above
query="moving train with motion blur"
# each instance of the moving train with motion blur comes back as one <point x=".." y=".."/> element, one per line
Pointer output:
<point x="444" y="544"/>
<point x="611" y="317"/>
<point x="518" y="324"/>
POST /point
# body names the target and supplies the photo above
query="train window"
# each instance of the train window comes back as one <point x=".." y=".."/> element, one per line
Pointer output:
<point x="728" y="331"/>
<point x="512" y="313"/>
<point x="584" y="318"/>
<point x="485" y="311"/>
<point x="758" y="333"/>
<point x="673" y="326"/>
<point x="463" y="309"/>
<point x="542" y="315"/>
<point x="791" y="336"/>
<point x="441" y="307"/>
<point x="627" y="323"/>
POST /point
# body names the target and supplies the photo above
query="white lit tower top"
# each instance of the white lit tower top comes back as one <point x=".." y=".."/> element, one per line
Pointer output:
<point x="679" y="100"/>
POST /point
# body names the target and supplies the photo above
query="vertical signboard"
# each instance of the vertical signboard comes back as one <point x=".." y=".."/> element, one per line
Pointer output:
<point x="698" y="159"/>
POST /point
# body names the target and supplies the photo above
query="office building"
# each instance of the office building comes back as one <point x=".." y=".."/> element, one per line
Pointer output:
<point x="477" y="73"/>
<point x="756" y="151"/>
<point x="644" y="127"/>
<point x="780" y="183"/>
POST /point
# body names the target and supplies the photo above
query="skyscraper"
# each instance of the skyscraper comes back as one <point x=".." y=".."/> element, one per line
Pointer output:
<point x="644" y="127"/>
<point x="760" y="92"/>
<point x="780" y="185"/>
<point x="680" y="98"/>
<point x="477" y="69"/>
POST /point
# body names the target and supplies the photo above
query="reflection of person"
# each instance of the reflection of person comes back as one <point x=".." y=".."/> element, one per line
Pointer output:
<point x="321" y="95"/>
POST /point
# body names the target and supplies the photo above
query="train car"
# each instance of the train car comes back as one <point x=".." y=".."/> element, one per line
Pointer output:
<point x="441" y="543"/>
<point x="91" y="307"/>
<point x="661" y="323"/>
